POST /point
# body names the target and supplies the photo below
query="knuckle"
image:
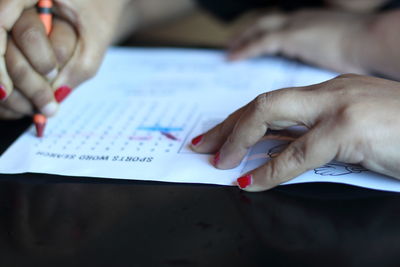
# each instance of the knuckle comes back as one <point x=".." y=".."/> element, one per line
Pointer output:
<point x="29" y="35"/>
<point x="262" y="102"/>
<point x="87" y="70"/>
<point x="347" y="76"/>
<point x="297" y="154"/>
<point x="269" y="102"/>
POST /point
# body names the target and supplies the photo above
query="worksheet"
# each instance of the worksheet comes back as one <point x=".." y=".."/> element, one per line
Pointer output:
<point x="136" y="118"/>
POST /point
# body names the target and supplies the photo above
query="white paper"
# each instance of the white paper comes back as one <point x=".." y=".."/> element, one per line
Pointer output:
<point x="135" y="119"/>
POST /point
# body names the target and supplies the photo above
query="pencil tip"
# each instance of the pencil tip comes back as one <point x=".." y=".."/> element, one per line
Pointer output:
<point x="40" y="124"/>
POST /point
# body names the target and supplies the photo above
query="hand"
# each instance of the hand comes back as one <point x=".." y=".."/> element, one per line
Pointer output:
<point x="352" y="119"/>
<point x="74" y="66"/>
<point x="357" y="5"/>
<point x="33" y="61"/>
<point x="10" y="11"/>
<point x="95" y="22"/>
<point x="317" y="36"/>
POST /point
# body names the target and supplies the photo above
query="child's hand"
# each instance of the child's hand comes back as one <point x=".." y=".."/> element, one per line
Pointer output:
<point x="321" y="37"/>
<point x="352" y="119"/>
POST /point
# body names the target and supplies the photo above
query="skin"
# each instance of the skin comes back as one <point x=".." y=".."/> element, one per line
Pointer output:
<point x="363" y="43"/>
<point x="352" y="119"/>
<point x="357" y="5"/>
<point x="26" y="68"/>
<point x="74" y="50"/>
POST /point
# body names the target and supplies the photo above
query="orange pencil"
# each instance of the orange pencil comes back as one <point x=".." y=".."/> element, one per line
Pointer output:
<point x="40" y="123"/>
<point x="45" y="13"/>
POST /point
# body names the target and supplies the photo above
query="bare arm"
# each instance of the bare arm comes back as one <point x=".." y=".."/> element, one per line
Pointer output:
<point x="140" y="14"/>
<point x="377" y="50"/>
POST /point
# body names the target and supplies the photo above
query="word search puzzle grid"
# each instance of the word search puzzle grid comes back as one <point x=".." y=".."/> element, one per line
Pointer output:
<point x="132" y="126"/>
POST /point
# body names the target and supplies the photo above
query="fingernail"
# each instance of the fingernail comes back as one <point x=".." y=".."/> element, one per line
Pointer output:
<point x="61" y="93"/>
<point x="50" y="109"/>
<point x="52" y="75"/>
<point x="197" y="140"/>
<point x="3" y="93"/>
<point x="244" y="181"/>
<point x="216" y="158"/>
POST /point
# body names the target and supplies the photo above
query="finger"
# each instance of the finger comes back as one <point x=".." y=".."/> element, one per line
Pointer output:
<point x="312" y="150"/>
<point x="30" y="36"/>
<point x="211" y="141"/>
<point x="273" y="21"/>
<point x="269" y="44"/>
<point x="31" y="84"/>
<point x="63" y="39"/>
<point x="8" y="114"/>
<point x="10" y="11"/>
<point x="275" y="110"/>
<point x="84" y="63"/>
<point x="18" y="103"/>
<point x="269" y="23"/>
<point x="250" y="34"/>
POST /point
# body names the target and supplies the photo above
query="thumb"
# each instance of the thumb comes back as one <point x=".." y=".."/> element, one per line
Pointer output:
<point x="82" y="66"/>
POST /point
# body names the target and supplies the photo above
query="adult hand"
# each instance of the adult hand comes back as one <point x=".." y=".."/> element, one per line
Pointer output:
<point x="81" y="34"/>
<point x="318" y="36"/>
<point x="352" y="119"/>
<point x="95" y="22"/>
<point x="10" y="11"/>
<point x="33" y="61"/>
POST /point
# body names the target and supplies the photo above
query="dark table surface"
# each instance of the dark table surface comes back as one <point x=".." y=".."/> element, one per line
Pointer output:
<point x="67" y="221"/>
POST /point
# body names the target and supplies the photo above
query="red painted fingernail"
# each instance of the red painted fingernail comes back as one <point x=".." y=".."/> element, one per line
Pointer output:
<point x="216" y="158"/>
<point x="244" y="181"/>
<point x="197" y="140"/>
<point x="3" y="93"/>
<point x="61" y="93"/>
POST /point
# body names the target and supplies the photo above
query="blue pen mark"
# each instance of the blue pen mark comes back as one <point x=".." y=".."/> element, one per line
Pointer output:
<point x="160" y="129"/>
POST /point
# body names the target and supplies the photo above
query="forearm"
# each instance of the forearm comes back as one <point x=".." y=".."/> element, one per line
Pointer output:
<point x="377" y="48"/>
<point x="139" y="14"/>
